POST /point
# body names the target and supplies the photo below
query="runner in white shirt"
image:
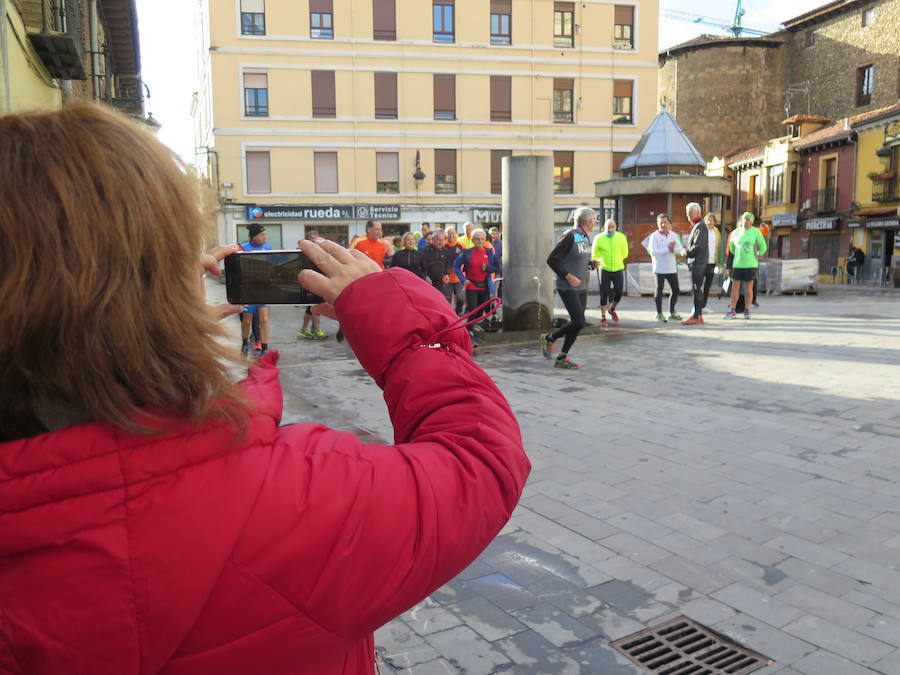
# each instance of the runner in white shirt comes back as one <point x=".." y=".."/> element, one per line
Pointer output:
<point x="664" y="246"/>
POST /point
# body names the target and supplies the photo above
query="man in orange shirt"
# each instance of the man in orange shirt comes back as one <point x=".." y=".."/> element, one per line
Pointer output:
<point x="372" y="245"/>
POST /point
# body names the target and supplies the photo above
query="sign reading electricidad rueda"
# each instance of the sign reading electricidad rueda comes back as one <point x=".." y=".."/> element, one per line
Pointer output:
<point x="325" y="212"/>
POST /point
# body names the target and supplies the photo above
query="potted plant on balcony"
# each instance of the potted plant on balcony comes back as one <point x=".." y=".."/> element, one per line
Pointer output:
<point x="883" y="176"/>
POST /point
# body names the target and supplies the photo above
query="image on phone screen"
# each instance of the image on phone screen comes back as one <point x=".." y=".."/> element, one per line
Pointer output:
<point x="267" y="278"/>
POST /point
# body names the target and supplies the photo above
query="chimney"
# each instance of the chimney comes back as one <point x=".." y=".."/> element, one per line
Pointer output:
<point x="846" y="124"/>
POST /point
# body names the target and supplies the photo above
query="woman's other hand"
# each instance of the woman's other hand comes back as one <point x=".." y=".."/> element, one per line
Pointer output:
<point x="340" y="268"/>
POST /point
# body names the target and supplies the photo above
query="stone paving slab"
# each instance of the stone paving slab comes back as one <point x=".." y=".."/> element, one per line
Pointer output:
<point x="743" y="473"/>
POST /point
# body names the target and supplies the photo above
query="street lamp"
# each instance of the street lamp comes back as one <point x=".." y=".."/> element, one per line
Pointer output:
<point x="419" y="175"/>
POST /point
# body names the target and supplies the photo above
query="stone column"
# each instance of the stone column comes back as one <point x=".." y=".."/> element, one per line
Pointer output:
<point x="527" y="241"/>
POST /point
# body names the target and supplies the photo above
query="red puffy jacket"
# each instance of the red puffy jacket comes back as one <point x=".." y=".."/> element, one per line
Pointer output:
<point x="194" y="553"/>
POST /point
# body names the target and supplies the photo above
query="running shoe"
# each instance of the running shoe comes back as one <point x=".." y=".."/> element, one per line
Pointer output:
<point x="258" y="346"/>
<point x="263" y="350"/>
<point x="603" y="322"/>
<point x="306" y="333"/>
<point x="339" y="336"/>
<point x="756" y="304"/>
<point x="546" y="347"/>
<point x="565" y="363"/>
<point x="746" y="313"/>
<point x="320" y="335"/>
<point x="675" y="316"/>
<point x="615" y="317"/>
<point x="692" y="321"/>
<point x="661" y="318"/>
<point x="245" y="349"/>
<point x="700" y="320"/>
<point x="730" y="314"/>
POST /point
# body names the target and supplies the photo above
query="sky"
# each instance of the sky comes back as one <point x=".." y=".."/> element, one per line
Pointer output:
<point x="168" y="44"/>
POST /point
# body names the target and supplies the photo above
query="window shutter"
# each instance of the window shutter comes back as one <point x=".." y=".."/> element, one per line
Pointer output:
<point x="258" y="173"/>
<point x="445" y="162"/>
<point x="624" y="15"/>
<point x="253" y="6"/>
<point x="501" y="98"/>
<point x="323" y="93"/>
<point x="386" y="95"/>
<point x="445" y="95"/>
<point x="387" y="167"/>
<point x="563" y="83"/>
<point x="256" y="81"/>
<point x="443" y="2"/>
<point x="622" y="88"/>
<point x="501" y="6"/>
<point x="384" y="14"/>
<point x="497" y="169"/>
<point x="563" y="6"/>
<point x="326" y="171"/>
<point x="321" y="6"/>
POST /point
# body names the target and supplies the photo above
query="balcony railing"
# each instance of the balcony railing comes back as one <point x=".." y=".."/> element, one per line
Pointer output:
<point x="885" y="190"/>
<point x="825" y="201"/>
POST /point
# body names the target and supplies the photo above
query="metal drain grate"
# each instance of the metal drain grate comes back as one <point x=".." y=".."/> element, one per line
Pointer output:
<point x="684" y="647"/>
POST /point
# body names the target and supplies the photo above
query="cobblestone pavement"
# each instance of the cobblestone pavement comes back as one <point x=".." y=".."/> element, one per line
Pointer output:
<point x="745" y="474"/>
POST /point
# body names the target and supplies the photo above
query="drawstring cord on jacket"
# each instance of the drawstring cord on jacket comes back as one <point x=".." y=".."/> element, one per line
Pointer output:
<point x="434" y="340"/>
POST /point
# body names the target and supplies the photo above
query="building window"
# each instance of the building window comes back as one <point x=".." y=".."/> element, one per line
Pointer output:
<point x="562" y="171"/>
<point x="443" y="20"/>
<point x="562" y="99"/>
<point x="326" y="170"/>
<point x="386" y="96"/>
<point x="321" y="18"/>
<point x="501" y="98"/>
<point x="445" y="171"/>
<point x="387" y="172"/>
<point x="256" y="95"/>
<point x="444" y="97"/>
<point x="323" y="93"/>
<point x="865" y="84"/>
<point x="868" y="17"/>
<point x="384" y="15"/>
<point x="775" y="188"/>
<point x="617" y="159"/>
<point x="810" y="38"/>
<point x="622" y="100"/>
<point x="253" y="17"/>
<point x="497" y="170"/>
<point x="563" y="24"/>
<point x="501" y="16"/>
<point x="259" y="175"/>
<point x="623" y="30"/>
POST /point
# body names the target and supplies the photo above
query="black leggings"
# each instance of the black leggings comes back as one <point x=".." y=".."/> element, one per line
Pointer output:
<point x="611" y="284"/>
<point x="575" y="302"/>
<point x="698" y="276"/>
<point x="474" y="298"/>
<point x="707" y="281"/>
<point x="673" y="286"/>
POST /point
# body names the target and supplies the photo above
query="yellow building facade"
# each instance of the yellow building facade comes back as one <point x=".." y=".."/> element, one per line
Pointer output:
<point x="876" y="217"/>
<point x="318" y="114"/>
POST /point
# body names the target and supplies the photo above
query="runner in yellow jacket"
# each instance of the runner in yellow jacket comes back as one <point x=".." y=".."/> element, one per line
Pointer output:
<point x="610" y="250"/>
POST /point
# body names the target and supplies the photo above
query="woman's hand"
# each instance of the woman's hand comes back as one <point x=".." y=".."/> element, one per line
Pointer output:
<point x="209" y="262"/>
<point x="574" y="281"/>
<point x="340" y="268"/>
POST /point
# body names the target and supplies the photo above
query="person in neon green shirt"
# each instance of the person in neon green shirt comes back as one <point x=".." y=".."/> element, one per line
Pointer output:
<point x="610" y="249"/>
<point x="747" y="243"/>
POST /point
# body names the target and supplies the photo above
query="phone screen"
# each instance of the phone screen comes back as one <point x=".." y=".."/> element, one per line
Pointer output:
<point x="267" y="278"/>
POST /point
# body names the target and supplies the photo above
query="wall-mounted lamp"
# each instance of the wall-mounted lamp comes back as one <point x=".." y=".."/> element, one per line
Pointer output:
<point x="419" y="175"/>
<point x="883" y="151"/>
<point x="226" y="191"/>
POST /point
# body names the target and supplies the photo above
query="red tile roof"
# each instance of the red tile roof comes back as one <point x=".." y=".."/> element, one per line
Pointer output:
<point x="842" y="129"/>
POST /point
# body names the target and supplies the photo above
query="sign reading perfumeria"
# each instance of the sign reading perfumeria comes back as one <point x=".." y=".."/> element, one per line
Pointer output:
<point x="328" y="212"/>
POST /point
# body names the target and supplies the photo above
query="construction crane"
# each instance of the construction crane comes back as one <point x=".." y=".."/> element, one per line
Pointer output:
<point x="735" y="28"/>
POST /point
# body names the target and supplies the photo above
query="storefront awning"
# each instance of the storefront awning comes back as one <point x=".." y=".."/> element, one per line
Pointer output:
<point x="877" y="211"/>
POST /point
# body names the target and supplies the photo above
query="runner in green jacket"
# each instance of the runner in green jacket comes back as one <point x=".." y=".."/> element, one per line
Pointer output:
<point x="747" y="243"/>
<point x="610" y="250"/>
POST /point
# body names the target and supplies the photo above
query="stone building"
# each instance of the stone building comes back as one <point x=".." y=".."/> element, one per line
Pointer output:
<point x="836" y="61"/>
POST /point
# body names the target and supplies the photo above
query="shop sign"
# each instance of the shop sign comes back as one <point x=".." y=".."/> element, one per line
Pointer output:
<point x="893" y="222"/>
<point x="855" y="223"/>
<point x="784" y="219"/>
<point x="892" y="132"/>
<point x="487" y="216"/>
<point x="325" y="212"/>
<point x="815" y="224"/>
<point x="896" y="239"/>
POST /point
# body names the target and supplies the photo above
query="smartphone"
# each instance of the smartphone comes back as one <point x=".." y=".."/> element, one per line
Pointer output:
<point x="268" y="278"/>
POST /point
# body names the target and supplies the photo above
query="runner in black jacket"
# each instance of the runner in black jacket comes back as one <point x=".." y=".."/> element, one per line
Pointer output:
<point x="438" y="260"/>
<point x="409" y="257"/>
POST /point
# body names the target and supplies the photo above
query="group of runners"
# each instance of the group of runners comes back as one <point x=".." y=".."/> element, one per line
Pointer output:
<point x="576" y="254"/>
